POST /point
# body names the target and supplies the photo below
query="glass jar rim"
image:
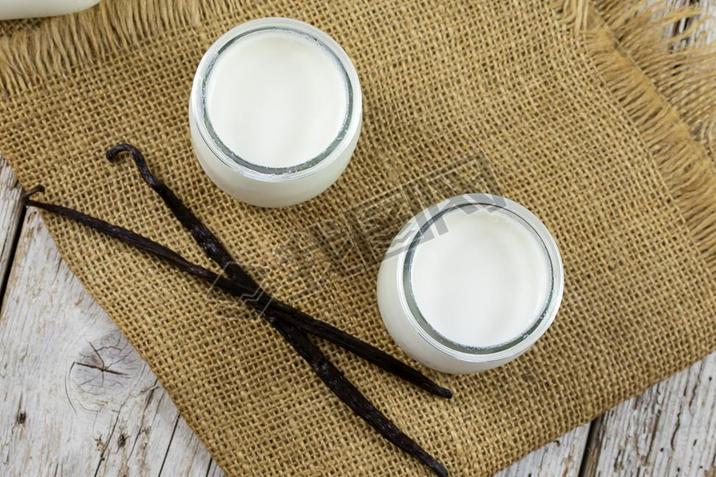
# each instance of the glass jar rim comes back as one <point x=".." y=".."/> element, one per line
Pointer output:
<point x="413" y="233"/>
<point x="208" y="135"/>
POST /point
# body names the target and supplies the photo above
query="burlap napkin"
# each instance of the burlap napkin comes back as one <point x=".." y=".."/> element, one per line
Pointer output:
<point x="537" y="102"/>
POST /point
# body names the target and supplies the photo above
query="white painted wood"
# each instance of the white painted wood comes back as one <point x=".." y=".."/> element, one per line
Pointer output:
<point x="560" y="458"/>
<point x="671" y="429"/>
<point x="9" y="214"/>
<point x="668" y="431"/>
<point x="75" y="398"/>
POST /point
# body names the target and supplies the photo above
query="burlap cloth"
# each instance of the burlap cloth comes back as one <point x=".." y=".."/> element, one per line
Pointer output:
<point x="537" y="102"/>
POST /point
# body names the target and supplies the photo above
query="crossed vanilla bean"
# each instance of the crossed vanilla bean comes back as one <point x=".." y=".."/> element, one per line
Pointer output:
<point x="292" y="324"/>
<point x="257" y="300"/>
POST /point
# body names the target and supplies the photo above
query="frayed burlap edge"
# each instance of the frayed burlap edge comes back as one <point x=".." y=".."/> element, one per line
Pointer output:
<point x="61" y="43"/>
<point x="672" y="47"/>
<point x="669" y="93"/>
<point x="681" y="74"/>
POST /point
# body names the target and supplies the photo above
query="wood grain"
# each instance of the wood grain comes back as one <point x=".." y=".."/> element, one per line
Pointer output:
<point x="560" y="458"/>
<point x="78" y="400"/>
<point x="10" y="215"/>
<point x="670" y="430"/>
<point x="75" y="397"/>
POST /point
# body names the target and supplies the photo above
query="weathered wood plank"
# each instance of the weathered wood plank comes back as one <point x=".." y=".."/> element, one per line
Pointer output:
<point x="560" y="458"/>
<point x="9" y="216"/>
<point x="75" y="398"/>
<point x="78" y="400"/>
<point x="669" y="430"/>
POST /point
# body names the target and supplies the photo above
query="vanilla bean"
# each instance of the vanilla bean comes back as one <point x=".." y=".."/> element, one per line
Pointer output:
<point x="346" y="391"/>
<point x="363" y="349"/>
<point x="298" y="339"/>
<point x="215" y="250"/>
<point x="201" y="234"/>
<point x="274" y="308"/>
<point x="310" y="352"/>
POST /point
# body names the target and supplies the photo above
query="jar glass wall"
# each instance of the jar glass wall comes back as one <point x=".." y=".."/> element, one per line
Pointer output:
<point x="288" y="83"/>
<point x="423" y="301"/>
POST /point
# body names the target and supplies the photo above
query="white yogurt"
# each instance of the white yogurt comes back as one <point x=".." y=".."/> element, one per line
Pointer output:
<point x="470" y="284"/>
<point x="484" y="280"/>
<point x="275" y="111"/>
<point x="277" y="98"/>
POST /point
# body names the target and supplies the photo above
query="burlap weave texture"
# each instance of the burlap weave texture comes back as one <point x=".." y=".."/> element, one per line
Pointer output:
<point x="502" y="97"/>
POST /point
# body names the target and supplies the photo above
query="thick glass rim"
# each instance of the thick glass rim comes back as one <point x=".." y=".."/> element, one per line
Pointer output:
<point x="291" y="26"/>
<point x="423" y="222"/>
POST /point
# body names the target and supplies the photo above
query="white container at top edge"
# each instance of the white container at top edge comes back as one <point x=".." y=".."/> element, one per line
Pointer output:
<point x="275" y="112"/>
<point x="470" y="284"/>
<point x="13" y="9"/>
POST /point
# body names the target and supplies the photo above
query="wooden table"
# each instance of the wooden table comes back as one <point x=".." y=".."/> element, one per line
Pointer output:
<point x="77" y="400"/>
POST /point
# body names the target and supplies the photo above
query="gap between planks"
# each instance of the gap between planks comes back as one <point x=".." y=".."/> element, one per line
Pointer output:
<point x="84" y="361"/>
<point x="78" y="399"/>
<point x="11" y="216"/>
<point x="75" y="397"/>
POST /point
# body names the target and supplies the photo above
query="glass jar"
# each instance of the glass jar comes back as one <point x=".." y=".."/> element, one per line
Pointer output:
<point x="471" y="283"/>
<point x="275" y="112"/>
